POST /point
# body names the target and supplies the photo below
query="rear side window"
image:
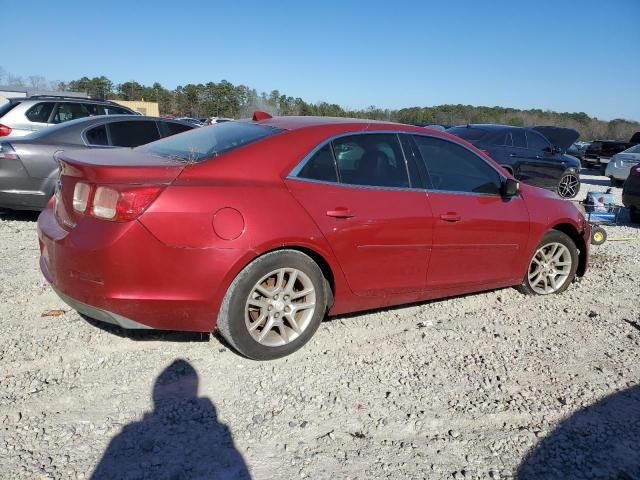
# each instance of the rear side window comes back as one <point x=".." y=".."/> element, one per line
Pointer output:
<point x="7" y="107"/>
<point x="453" y="168"/>
<point x="203" y="143"/>
<point x="113" y="110"/>
<point x="471" y="135"/>
<point x="171" y="128"/>
<point x="97" y="135"/>
<point x="518" y="137"/>
<point x="373" y="160"/>
<point x="94" y="109"/>
<point x="536" y="141"/>
<point x="69" y="111"/>
<point x="132" y="134"/>
<point x="40" y="112"/>
<point x="321" y="166"/>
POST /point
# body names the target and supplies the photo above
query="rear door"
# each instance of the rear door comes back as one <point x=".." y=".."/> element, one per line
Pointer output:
<point x="479" y="237"/>
<point x="373" y="214"/>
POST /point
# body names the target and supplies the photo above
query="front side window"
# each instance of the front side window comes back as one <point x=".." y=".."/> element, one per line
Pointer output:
<point x="204" y="143"/>
<point x="453" y="168"/>
<point x="519" y="140"/>
<point x="97" y="136"/>
<point x="69" y="111"/>
<point x="535" y="141"/>
<point x="373" y="160"/>
<point x="133" y="134"/>
<point x="40" y="112"/>
<point x="94" y="109"/>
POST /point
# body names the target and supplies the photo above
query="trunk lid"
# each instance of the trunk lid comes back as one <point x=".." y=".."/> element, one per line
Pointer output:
<point x="107" y="167"/>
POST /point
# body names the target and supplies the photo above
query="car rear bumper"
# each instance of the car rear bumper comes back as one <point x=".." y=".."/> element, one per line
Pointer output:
<point x="120" y="273"/>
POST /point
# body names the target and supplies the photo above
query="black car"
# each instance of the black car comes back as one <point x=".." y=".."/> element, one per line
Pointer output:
<point x="534" y="155"/>
<point x="631" y="194"/>
<point x="28" y="169"/>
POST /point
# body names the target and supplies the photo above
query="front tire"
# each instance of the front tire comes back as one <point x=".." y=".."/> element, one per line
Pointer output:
<point x="553" y="265"/>
<point x="274" y="306"/>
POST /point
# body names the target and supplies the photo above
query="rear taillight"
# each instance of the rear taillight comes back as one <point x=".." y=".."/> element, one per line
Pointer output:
<point x="635" y="171"/>
<point x="4" y="130"/>
<point x="81" y="194"/>
<point x="123" y="203"/>
<point x="7" y="152"/>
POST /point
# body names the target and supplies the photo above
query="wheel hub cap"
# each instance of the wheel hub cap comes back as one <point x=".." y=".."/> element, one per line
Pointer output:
<point x="549" y="268"/>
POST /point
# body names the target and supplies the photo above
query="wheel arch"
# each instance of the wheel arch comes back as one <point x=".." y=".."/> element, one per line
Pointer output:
<point x="571" y="231"/>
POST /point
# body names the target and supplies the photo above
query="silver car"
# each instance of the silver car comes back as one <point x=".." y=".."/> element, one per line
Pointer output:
<point x="620" y="164"/>
<point x="25" y="115"/>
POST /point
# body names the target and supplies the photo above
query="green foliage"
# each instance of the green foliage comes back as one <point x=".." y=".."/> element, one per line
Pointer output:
<point x="224" y="99"/>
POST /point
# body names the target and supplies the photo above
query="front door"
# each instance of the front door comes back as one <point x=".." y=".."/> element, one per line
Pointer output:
<point x="357" y="190"/>
<point x="478" y="236"/>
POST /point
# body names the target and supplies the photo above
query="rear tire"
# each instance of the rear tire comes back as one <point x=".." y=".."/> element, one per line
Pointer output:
<point x="266" y="313"/>
<point x="553" y="265"/>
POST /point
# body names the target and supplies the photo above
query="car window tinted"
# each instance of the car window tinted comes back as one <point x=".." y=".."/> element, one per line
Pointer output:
<point x="321" y="166"/>
<point x="518" y="137"/>
<point x="97" y="136"/>
<point x="497" y="139"/>
<point x="132" y="133"/>
<point x="40" y="112"/>
<point x="634" y="149"/>
<point x="171" y="128"/>
<point x="113" y="110"/>
<point x="7" y="107"/>
<point x="470" y="134"/>
<point x="69" y="111"/>
<point x="208" y="142"/>
<point x="94" y="109"/>
<point x="535" y="141"/>
<point x="453" y="168"/>
<point x="374" y="160"/>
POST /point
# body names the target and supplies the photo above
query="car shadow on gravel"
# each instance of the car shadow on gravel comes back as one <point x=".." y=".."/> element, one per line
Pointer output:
<point x="148" y="335"/>
<point x="595" y="181"/>
<point x="19" y="215"/>
<point x="599" y="441"/>
<point x="181" y="438"/>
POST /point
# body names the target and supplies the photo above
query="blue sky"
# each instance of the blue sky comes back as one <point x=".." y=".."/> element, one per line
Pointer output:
<point x="560" y="55"/>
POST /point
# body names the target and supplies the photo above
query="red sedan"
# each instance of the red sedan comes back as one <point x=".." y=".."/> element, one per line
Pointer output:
<point x="261" y="228"/>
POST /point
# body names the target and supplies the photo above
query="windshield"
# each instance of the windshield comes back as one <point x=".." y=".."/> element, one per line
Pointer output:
<point x="634" y="149"/>
<point x="208" y="142"/>
<point x="471" y="135"/>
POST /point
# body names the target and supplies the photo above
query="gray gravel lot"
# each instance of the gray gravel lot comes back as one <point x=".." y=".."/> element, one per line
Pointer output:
<point x="494" y="385"/>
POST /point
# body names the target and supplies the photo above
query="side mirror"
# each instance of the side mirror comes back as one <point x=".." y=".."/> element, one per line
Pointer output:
<point x="510" y="188"/>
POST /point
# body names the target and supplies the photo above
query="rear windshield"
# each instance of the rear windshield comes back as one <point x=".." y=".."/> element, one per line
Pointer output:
<point x="471" y="135"/>
<point x="208" y="142"/>
<point x="5" y="108"/>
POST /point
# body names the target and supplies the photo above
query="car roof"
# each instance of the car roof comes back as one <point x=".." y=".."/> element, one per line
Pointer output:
<point x="487" y="126"/>
<point x="299" y="122"/>
<point x="54" y="98"/>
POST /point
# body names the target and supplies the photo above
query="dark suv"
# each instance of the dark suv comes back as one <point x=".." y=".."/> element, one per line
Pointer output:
<point x="534" y="155"/>
<point x="22" y="116"/>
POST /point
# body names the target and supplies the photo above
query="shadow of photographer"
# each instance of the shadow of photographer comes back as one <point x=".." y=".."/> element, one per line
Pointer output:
<point x="180" y="439"/>
<point x="599" y="441"/>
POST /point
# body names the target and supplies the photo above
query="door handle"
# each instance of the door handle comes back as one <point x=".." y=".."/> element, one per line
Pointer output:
<point x="513" y="155"/>
<point x="340" y="212"/>
<point x="450" y="217"/>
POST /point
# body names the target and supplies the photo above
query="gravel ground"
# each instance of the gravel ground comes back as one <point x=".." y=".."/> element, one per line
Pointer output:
<point x="494" y="385"/>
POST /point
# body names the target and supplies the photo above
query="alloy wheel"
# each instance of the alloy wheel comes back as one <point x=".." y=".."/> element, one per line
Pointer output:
<point x="280" y="307"/>
<point x="568" y="186"/>
<point x="549" y="269"/>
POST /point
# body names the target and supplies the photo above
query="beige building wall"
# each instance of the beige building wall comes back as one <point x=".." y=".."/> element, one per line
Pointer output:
<point x="145" y="108"/>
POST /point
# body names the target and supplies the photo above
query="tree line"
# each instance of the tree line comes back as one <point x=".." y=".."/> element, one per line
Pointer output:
<point x="224" y="99"/>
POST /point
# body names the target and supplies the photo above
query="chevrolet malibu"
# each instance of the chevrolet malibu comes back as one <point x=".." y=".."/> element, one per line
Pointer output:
<point x="261" y="228"/>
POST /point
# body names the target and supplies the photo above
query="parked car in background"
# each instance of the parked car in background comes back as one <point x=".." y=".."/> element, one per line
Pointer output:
<point x="22" y="116"/>
<point x="28" y="170"/>
<point x="535" y="155"/>
<point x="264" y="258"/>
<point x="578" y="150"/>
<point x="631" y="194"/>
<point x="620" y="165"/>
<point x="214" y="120"/>
<point x="599" y="152"/>
<point x="193" y="121"/>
